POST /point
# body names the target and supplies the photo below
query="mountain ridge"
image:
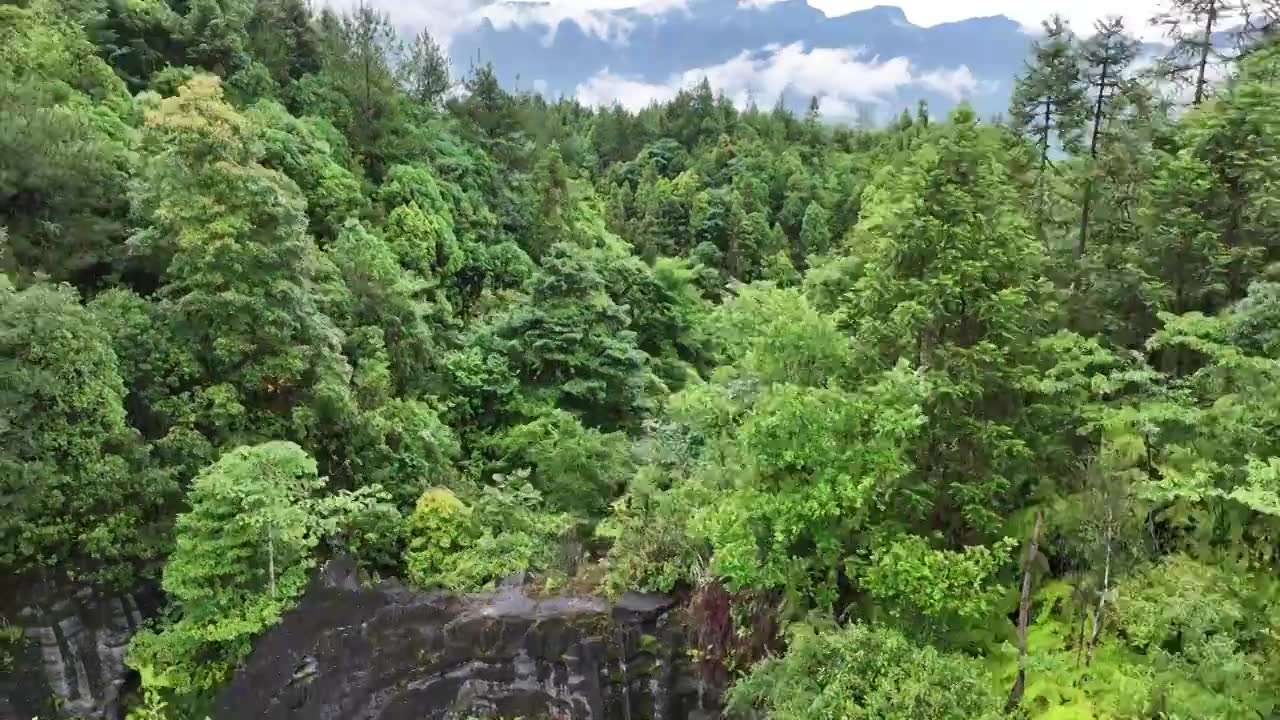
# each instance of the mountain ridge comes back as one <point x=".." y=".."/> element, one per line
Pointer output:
<point x="788" y="45"/>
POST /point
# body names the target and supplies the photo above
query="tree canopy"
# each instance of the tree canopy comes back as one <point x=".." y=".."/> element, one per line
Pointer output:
<point x="949" y="418"/>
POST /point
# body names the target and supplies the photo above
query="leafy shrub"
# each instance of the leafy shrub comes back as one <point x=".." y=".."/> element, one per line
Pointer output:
<point x="864" y="672"/>
<point x="466" y="546"/>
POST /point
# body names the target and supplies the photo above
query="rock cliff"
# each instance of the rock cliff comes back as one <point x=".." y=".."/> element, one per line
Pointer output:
<point x="386" y="652"/>
<point x="64" y="650"/>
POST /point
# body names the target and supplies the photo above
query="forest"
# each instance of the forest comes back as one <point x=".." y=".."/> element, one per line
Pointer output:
<point x="954" y="417"/>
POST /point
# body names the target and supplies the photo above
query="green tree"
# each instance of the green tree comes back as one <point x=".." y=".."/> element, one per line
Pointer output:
<point x="815" y="230"/>
<point x="227" y="238"/>
<point x="64" y="148"/>
<point x="362" y="49"/>
<point x="866" y="672"/>
<point x="313" y="154"/>
<point x="573" y="347"/>
<point x="283" y="38"/>
<point x="467" y="545"/>
<point x="1048" y="104"/>
<point x="241" y="558"/>
<point x="951" y="284"/>
<point x="1194" y="50"/>
<point x="82" y="503"/>
<point x="576" y="468"/>
<point x="425" y="71"/>
<point x="1108" y="55"/>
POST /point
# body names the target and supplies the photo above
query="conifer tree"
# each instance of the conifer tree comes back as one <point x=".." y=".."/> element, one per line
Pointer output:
<point x="425" y="71"/>
<point x="952" y="284"/>
<point x="1192" y="27"/>
<point x="1108" y="55"/>
<point x="1048" y="104"/>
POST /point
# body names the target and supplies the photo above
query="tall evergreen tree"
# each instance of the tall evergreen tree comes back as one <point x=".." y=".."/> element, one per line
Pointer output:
<point x="425" y="71"/>
<point x="952" y="284"/>
<point x="1107" y="56"/>
<point x="1193" y="28"/>
<point x="1048" y="103"/>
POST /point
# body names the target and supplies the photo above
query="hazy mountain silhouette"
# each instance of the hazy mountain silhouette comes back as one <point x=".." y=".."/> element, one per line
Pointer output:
<point x="655" y="48"/>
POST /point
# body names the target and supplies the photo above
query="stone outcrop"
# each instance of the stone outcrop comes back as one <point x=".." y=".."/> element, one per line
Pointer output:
<point x="386" y="652"/>
<point x="65" y="651"/>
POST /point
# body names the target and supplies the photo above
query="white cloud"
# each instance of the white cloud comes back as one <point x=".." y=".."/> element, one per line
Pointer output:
<point x="445" y="18"/>
<point x="843" y="78"/>
<point x="441" y="18"/>
<point x="956" y="83"/>
<point x="605" y="87"/>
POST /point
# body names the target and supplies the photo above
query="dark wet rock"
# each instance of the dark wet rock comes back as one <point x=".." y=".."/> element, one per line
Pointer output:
<point x="67" y="650"/>
<point x="642" y="607"/>
<point x="387" y="652"/>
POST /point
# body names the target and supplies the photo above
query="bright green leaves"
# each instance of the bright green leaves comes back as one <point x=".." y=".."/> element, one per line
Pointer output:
<point x="312" y="154"/>
<point x="779" y="338"/>
<point x="465" y="546"/>
<point x="940" y="588"/>
<point x="817" y="465"/>
<point x="951" y="283"/>
<point x="577" y="468"/>
<point x="80" y="500"/>
<point x="241" y="558"/>
<point x="802" y="468"/>
<point x="1181" y="638"/>
<point x="865" y="672"/>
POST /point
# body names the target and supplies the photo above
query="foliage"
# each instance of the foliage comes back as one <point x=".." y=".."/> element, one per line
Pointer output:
<point x="951" y="283"/>
<point x="918" y="583"/>
<point x="576" y="468"/>
<point x="80" y="498"/>
<point x="273" y="291"/>
<point x="240" y="559"/>
<point x="864" y="672"/>
<point x="467" y="546"/>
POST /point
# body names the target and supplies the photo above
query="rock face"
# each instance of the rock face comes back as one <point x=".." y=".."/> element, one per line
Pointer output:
<point x="66" y="651"/>
<point x="385" y="652"/>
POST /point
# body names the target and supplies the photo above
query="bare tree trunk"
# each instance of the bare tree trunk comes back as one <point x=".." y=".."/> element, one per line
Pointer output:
<point x="1024" y="613"/>
<point x="1093" y="157"/>
<point x="1041" y="180"/>
<point x="1084" y="613"/>
<point x="1210" y="18"/>
<point x="271" y="558"/>
<point x="1102" y="596"/>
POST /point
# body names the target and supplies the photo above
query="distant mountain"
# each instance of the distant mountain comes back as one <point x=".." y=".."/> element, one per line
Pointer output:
<point x="873" y="58"/>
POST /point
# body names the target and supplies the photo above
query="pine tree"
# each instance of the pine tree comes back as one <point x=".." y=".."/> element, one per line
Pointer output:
<point x="1108" y="55"/>
<point x="952" y="284"/>
<point x="815" y="230"/>
<point x="362" y="50"/>
<point x="1048" y="103"/>
<point x="1193" y="27"/>
<point x="425" y="71"/>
